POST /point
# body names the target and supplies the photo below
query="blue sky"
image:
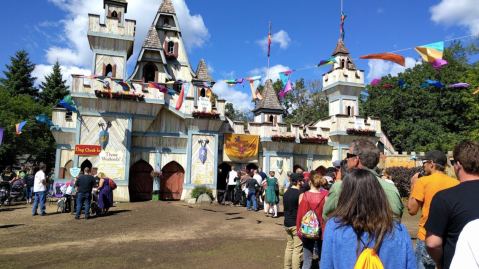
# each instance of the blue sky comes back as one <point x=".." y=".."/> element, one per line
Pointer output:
<point x="230" y="36"/>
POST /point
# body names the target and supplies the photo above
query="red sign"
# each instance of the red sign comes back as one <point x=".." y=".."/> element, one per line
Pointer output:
<point x="87" y="150"/>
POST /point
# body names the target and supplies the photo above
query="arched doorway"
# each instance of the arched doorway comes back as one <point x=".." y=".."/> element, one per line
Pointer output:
<point x="66" y="171"/>
<point x="140" y="185"/>
<point x="223" y="170"/>
<point x="171" y="184"/>
<point x="296" y="167"/>
<point x="251" y="166"/>
<point x="86" y="164"/>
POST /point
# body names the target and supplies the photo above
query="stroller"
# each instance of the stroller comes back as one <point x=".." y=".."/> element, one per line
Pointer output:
<point x="5" y="189"/>
<point x="17" y="191"/>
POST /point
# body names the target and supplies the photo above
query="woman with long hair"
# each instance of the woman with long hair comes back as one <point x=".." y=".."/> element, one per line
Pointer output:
<point x="314" y="200"/>
<point x="105" y="197"/>
<point x="271" y="198"/>
<point x="364" y="219"/>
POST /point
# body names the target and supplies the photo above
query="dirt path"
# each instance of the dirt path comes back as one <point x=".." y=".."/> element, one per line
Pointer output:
<point x="145" y="235"/>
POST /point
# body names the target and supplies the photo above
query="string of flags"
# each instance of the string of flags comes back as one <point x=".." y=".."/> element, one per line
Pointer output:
<point x="428" y="83"/>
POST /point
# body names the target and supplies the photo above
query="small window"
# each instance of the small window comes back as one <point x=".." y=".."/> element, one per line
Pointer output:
<point x="203" y="92"/>
<point x="166" y="22"/>
<point x="342" y="63"/>
<point x="178" y="87"/>
<point x="149" y="73"/>
<point x="171" y="47"/>
<point x="114" y="14"/>
<point x="108" y="70"/>
<point x="271" y="118"/>
<point x="349" y="110"/>
<point x="69" y="115"/>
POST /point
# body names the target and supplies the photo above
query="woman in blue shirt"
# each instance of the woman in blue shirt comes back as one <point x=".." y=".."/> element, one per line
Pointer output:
<point x="363" y="219"/>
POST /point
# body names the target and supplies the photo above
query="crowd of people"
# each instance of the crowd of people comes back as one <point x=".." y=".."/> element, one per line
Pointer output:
<point x="37" y="186"/>
<point x="357" y="220"/>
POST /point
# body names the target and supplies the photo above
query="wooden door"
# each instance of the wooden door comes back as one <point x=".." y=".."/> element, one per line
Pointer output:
<point x="141" y="182"/>
<point x="171" y="185"/>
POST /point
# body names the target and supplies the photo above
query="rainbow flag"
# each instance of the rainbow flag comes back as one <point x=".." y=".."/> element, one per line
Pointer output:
<point x="269" y="39"/>
<point x="343" y="17"/>
<point x="326" y="62"/>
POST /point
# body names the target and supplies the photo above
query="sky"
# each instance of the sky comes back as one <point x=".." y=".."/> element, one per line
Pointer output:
<point x="232" y="37"/>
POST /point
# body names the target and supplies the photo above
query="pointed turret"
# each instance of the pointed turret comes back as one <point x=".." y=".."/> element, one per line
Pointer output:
<point x="152" y="39"/>
<point x="202" y="73"/>
<point x="167" y="7"/>
<point x="340" y="48"/>
<point x="270" y="99"/>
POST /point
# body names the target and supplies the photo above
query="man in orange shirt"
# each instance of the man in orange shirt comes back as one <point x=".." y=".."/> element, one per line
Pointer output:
<point x="422" y="191"/>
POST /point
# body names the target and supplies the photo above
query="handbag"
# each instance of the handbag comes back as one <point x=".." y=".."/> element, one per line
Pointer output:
<point x="112" y="184"/>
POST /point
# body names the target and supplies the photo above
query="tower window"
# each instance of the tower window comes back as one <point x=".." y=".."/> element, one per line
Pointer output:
<point x="349" y="110"/>
<point x="166" y="22"/>
<point x="108" y="70"/>
<point x="271" y="118"/>
<point x="149" y="73"/>
<point x="171" y="47"/>
<point x="342" y="63"/>
<point x="203" y="92"/>
<point x="114" y="14"/>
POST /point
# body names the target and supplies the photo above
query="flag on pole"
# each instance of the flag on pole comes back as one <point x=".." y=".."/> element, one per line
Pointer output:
<point x="343" y="17"/>
<point x="68" y="103"/>
<point x="19" y="126"/>
<point x="43" y="118"/>
<point x="269" y="39"/>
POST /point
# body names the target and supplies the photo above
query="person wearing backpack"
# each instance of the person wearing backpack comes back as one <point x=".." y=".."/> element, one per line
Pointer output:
<point x="309" y="222"/>
<point x="361" y="232"/>
<point x="105" y="198"/>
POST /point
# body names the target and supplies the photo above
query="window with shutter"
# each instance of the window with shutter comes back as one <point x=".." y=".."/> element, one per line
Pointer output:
<point x="113" y="71"/>
<point x="171" y="47"/>
<point x="176" y="49"/>
<point x="119" y="16"/>
<point x="275" y="120"/>
<point x="108" y="71"/>
<point x="114" y="14"/>
<point x="149" y="73"/>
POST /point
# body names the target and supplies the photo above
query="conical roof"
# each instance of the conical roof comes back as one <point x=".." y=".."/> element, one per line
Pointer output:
<point x="270" y="99"/>
<point x="340" y="48"/>
<point x="202" y="73"/>
<point x="166" y="7"/>
<point x="152" y="39"/>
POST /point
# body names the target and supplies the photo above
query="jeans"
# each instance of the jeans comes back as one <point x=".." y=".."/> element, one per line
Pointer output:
<point x="83" y="198"/>
<point x="308" y="247"/>
<point x="230" y="193"/>
<point x="28" y="193"/>
<point x="40" y="197"/>
<point x="423" y="260"/>
<point x="251" y="197"/>
<point x="294" y="249"/>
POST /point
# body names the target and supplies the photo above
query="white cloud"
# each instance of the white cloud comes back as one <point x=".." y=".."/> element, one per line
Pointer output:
<point x="380" y="10"/>
<point x="273" y="72"/>
<point x="281" y="37"/>
<point x="380" y="68"/>
<point x="228" y="75"/>
<point x="73" y="48"/>
<point x="457" y="12"/>
<point x="239" y="99"/>
<point x="42" y="70"/>
<point x="210" y="67"/>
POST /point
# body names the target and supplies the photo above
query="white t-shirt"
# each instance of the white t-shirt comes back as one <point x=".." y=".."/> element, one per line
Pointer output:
<point x="231" y="177"/>
<point x="467" y="247"/>
<point x="258" y="178"/>
<point x="37" y="185"/>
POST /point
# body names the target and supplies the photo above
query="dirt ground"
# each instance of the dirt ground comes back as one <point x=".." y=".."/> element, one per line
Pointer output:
<point x="146" y="235"/>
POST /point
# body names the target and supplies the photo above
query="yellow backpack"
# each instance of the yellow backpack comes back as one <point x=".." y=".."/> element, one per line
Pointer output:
<point x="368" y="259"/>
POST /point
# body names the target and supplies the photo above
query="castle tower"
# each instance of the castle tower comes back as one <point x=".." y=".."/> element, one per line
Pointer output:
<point x="269" y="109"/>
<point x="343" y="83"/>
<point x="111" y="42"/>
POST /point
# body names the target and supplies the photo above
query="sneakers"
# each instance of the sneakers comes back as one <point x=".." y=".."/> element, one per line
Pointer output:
<point x="43" y="214"/>
<point x="34" y="214"/>
<point x="249" y="209"/>
<point x="77" y="218"/>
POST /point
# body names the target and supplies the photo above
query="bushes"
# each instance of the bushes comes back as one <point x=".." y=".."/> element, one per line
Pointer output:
<point x="401" y="176"/>
<point x="199" y="190"/>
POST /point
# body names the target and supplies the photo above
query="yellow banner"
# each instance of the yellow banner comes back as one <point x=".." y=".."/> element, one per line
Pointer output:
<point x="241" y="146"/>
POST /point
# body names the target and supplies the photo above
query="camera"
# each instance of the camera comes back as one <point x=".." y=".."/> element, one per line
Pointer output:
<point x="421" y="173"/>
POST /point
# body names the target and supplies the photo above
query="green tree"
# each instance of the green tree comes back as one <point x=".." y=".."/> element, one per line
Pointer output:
<point x="54" y="88"/>
<point x="309" y="101"/>
<point x="18" y="76"/>
<point x="230" y="112"/>
<point x="426" y="118"/>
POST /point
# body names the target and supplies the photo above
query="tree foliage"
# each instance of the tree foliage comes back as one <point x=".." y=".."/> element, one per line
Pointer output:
<point x="18" y="76"/>
<point x="54" y="88"/>
<point x="427" y="118"/>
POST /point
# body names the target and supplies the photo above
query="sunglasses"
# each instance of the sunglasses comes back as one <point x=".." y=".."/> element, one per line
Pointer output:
<point x="350" y="155"/>
<point x="424" y="161"/>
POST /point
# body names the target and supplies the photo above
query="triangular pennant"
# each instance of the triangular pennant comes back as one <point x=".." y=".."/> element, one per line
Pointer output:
<point x="43" y="118"/>
<point x="68" y="103"/>
<point x="19" y="126"/>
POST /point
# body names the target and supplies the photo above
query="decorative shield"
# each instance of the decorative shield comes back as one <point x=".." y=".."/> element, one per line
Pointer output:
<point x="75" y="171"/>
<point x="104" y="137"/>
<point x="203" y="154"/>
<point x="279" y="164"/>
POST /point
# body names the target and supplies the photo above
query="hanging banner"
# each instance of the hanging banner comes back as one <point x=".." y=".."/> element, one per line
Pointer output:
<point x="75" y="171"/>
<point x="89" y="150"/>
<point x="241" y="146"/>
<point x="203" y="154"/>
<point x="104" y="137"/>
<point x="204" y="104"/>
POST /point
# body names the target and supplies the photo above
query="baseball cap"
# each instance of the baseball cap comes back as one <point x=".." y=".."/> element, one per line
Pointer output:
<point x="436" y="156"/>
<point x="337" y="163"/>
<point x="296" y="177"/>
<point x="289" y="173"/>
<point x="329" y="179"/>
<point x="331" y="169"/>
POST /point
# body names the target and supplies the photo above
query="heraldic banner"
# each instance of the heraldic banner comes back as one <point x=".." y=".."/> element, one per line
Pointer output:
<point x="241" y="146"/>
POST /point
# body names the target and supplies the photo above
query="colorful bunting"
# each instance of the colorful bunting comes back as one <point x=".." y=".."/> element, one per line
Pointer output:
<point x="424" y="85"/>
<point x="387" y="86"/>
<point x="159" y="87"/>
<point x="131" y="85"/>
<point x="401" y="83"/>
<point x="285" y="78"/>
<point x="68" y="103"/>
<point x="254" y="83"/>
<point x="233" y="82"/>
<point x="407" y="85"/>
<point x="179" y="102"/>
<point x="258" y="94"/>
<point x="435" y="83"/>
<point x="19" y="126"/>
<point x="269" y="39"/>
<point x="431" y="52"/>
<point x="331" y="60"/>
<point x="438" y="63"/>
<point x="459" y="85"/>
<point x="343" y="17"/>
<point x="187" y="89"/>
<point x="375" y="81"/>
<point x="94" y="77"/>
<point x="208" y="93"/>
<point x="476" y="91"/>
<point x="124" y="85"/>
<point x="43" y="118"/>
<point x="386" y="56"/>
<point x="107" y="84"/>
<point x="1" y="136"/>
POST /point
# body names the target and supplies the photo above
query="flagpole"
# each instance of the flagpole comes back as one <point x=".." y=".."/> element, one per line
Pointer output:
<point x="269" y="47"/>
